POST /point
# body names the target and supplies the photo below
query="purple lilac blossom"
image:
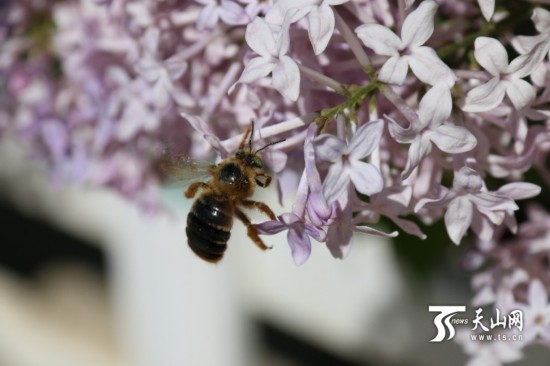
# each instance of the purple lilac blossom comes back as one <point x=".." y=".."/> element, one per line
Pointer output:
<point x="379" y="103"/>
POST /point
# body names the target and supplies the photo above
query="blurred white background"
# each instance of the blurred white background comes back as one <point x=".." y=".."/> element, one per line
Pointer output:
<point x="157" y="304"/>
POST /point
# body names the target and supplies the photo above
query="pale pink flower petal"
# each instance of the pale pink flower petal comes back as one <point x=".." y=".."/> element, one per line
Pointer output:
<point x="256" y="69"/>
<point x="321" y="27"/>
<point x="409" y="227"/>
<point x="204" y="129"/>
<point x="429" y="68"/>
<point x="491" y="55"/>
<point x="484" y="224"/>
<point x="298" y="234"/>
<point x="277" y="13"/>
<point x="271" y="227"/>
<point x="347" y="164"/>
<point x="419" y="24"/>
<point x="519" y="190"/>
<point x="276" y="159"/>
<point x="286" y="78"/>
<point x="485" y="97"/>
<point x="284" y="70"/>
<point x="419" y="149"/>
<point x="282" y="41"/>
<point x="232" y="13"/>
<point x="436" y="105"/>
<point x="148" y="69"/>
<point x="372" y="231"/>
<point x="487" y="8"/>
<point x="424" y="62"/>
<point x="507" y="353"/>
<point x="490" y="201"/>
<point x="453" y="139"/>
<point x="400" y="134"/>
<point x="394" y="70"/>
<point x="458" y="218"/>
<point x="467" y="180"/>
<point x="340" y="234"/>
<point x="524" y="65"/>
<point x="175" y="67"/>
<point x="537" y="295"/>
<point x="160" y="95"/>
<point x="365" y="177"/>
<point x="336" y="182"/>
<point x="300" y="246"/>
<point x="524" y="44"/>
<point x="329" y="148"/>
<point x="444" y="198"/>
<point x="521" y="93"/>
<point x="259" y="38"/>
<point x="541" y="19"/>
<point x="298" y="240"/>
<point x="320" y="18"/>
<point x="208" y="17"/>
<point x="379" y="38"/>
<point x="366" y="139"/>
<point x="536" y="313"/>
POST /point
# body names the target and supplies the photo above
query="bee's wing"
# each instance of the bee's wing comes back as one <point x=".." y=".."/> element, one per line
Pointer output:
<point x="180" y="170"/>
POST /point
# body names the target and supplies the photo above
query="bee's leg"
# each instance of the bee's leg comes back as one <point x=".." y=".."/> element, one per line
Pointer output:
<point x="267" y="180"/>
<point x="259" y="206"/>
<point x="193" y="188"/>
<point x="246" y="133"/>
<point x="252" y="232"/>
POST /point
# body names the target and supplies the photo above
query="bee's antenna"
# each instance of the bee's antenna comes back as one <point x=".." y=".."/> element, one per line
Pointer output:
<point x="271" y="143"/>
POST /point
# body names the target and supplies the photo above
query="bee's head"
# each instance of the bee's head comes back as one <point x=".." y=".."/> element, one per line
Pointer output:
<point x="250" y="159"/>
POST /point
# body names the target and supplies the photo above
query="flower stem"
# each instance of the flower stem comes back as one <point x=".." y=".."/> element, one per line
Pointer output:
<point x="469" y="74"/>
<point x="354" y="44"/>
<point x="230" y="76"/>
<point x="400" y="104"/>
<point x="273" y="130"/>
<point x="322" y="79"/>
<point x="357" y="96"/>
<point x="467" y="41"/>
<point x="198" y="46"/>
<point x="293" y="141"/>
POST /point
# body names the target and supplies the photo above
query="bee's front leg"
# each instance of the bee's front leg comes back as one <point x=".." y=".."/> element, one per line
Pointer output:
<point x="266" y="182"/>
<point x="249" y="130"/>
<point x="193" y="188"/>
<point x="251" y="230"/>
<point x="260" y="206"/>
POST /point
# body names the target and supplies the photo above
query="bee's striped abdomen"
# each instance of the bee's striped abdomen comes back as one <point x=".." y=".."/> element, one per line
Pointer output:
<point x="209" y="227"/>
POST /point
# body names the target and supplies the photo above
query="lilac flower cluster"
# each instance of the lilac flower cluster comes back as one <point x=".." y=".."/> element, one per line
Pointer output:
<point x="400" y="110"/>
<point x="96" y="88"/>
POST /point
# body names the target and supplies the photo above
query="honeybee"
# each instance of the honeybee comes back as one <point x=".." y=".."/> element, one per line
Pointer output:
<point x="232" y="183"/>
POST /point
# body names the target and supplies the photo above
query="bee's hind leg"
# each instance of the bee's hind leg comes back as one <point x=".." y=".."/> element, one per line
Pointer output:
<point x="193" y="188"/>
<point x="252" y="232"/>
<point x="259" y="206"/>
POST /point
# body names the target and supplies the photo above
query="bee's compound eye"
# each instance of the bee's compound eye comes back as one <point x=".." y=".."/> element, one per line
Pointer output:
<point x="240" y="154"/>
<point x="231" y="174"/>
